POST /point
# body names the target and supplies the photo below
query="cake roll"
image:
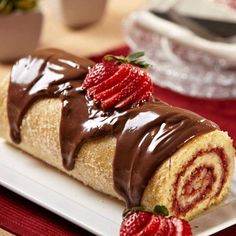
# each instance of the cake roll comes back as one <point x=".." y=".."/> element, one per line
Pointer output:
<point x="148" y="154"/>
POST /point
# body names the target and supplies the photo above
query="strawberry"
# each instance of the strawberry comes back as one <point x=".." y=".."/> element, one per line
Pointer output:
<point x="182" y="226"/>
<point x="138" y="222"/>
<point x="119" y="82"/>
<point x="134" y="224"/>
<point x="99" y="73"/>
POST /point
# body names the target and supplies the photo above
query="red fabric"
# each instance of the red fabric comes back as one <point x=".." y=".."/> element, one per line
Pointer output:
<point x="21" y="217"/>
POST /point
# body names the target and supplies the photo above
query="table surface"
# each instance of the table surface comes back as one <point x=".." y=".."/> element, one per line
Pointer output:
<point x="92" y="40"/>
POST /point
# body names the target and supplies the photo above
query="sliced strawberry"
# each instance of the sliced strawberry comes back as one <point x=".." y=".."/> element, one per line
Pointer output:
<point x="157" y="226"/>
<point x="140" y="95"/>
<point x="118" y="84"/>
<point x="125" y="93"/>
<point x="139" y="223"/>
<point x="152" y="227"/>
<point x="134" y="223"/>
<point x="122" y="72"/>
<point x="164" y="227"/>
<point x="182" y="227"/>
<point x="146" y="96"/>
<point x="171" y="228"/>
<point x="99" y="73"/>
<point x="118" y="87"/>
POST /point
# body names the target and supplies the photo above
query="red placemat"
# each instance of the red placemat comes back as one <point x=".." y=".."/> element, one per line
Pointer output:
<point x="22" y="217"/>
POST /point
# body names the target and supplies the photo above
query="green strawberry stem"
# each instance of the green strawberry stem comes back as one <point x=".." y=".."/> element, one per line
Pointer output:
<point x="161" y="210"/>
<point x="133" y="59"/>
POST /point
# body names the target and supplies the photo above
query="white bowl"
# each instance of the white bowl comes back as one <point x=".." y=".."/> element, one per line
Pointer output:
<point x="19" y="34"/>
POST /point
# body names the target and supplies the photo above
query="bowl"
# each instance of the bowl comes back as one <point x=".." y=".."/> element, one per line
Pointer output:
<point x="181" y="60"/>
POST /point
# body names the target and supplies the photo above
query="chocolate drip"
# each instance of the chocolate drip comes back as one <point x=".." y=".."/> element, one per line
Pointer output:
<point x="151" y="134"/>
<point x="48" y="73"/>
<point x="146" y="135"/>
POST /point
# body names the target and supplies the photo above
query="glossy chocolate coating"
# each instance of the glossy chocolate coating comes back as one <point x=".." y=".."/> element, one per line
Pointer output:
<point x="47" y="73"/>
<point x="146" y="135"/>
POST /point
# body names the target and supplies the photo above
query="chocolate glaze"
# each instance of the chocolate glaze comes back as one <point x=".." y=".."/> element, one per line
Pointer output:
<point x="45" y="74"/>
<point x="151" y="134"/>
<point x="146" y="135"/>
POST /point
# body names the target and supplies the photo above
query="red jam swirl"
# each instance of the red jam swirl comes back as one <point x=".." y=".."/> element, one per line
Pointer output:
<point x="200" y="182"/>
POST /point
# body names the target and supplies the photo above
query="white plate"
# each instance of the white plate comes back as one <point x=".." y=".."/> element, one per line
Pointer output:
<point x="83" y="206"/>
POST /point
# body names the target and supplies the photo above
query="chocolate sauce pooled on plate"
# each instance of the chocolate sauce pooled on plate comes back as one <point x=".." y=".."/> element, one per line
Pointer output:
<point x="146" y="135"/>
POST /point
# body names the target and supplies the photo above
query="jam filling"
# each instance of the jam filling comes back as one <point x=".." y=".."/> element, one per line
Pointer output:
<point x="200" y="182"/>
<point x="146" y="135"/>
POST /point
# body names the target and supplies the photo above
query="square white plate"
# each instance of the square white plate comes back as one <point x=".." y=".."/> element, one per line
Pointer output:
<point x="83" y="206"/>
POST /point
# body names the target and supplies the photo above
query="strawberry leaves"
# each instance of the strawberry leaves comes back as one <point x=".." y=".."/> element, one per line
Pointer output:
<point x="133" y="59"/>
<point x="161" y="210"/>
